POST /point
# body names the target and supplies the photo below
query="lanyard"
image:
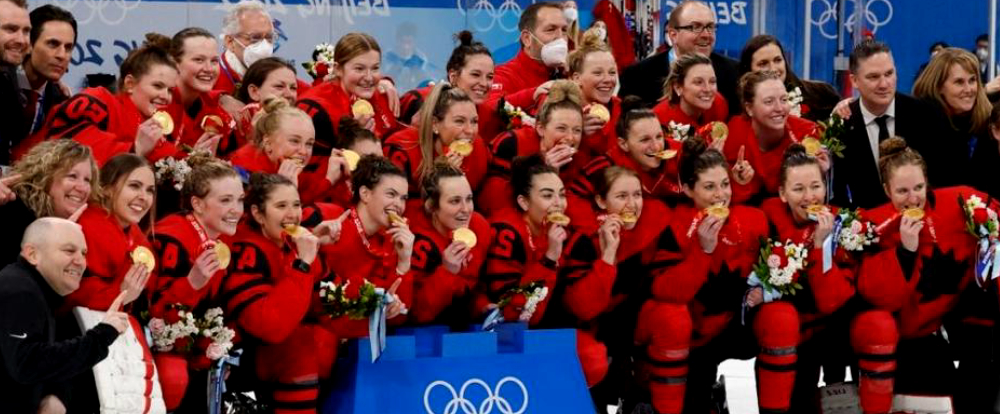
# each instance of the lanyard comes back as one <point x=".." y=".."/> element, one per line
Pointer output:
<point x="361" y="229"/>
<point x="198" y="229"/>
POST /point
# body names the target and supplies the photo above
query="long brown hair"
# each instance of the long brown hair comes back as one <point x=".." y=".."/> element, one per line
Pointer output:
<point x="434" y="109"/>
<point x="934" y="76"/>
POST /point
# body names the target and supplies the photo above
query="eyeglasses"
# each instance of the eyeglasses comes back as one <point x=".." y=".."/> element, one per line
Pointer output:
<point x="699" y="29"/>
<point x="257" y="37"/>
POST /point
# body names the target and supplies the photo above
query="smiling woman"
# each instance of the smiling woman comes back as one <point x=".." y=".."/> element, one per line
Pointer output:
<point x="951" y="80"/>
<point x="54" y="180"/>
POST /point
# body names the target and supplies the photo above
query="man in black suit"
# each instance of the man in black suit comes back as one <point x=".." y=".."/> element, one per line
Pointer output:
<point x="880" y="113"/>
<point x="53" y="36"/>
<point x="15" y="27"/>
<point x="690" y="29"/>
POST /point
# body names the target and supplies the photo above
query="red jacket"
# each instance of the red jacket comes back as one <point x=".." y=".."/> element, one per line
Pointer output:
<point x="766" y="164"/>
<point x="244" y="130"/>
<point x="350" y="260"/>
<point x="516" y="259"/>
<point x="327" y="103"/>
<point x="712" y="285"/>
<point x="660" y="184"/>
<point x="177" y="245"/>
<point x="229" y="79"/>
<point x="435" y="289"/>
<point x="109" y="249"/>
<point x="313" y="185"/>
<point x="403" y="149"/>
<point x="667" y="112"/>
<point x="102" y="120"/>
<point x="265" y="296"/>
<point x="824" y="292"/>
<point x="592" y="287"/>
<point x="515" y="81"/>
<point x="496" y="193"/>
<point x="188" y="121"/>
<point x="925" y="285"/>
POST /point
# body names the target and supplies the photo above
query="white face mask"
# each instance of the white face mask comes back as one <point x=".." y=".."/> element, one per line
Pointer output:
<point x="554" y="53"/>
<point x="982" y="53"/>
<point x="571" y="14"/>
<point x="257" y="51"/>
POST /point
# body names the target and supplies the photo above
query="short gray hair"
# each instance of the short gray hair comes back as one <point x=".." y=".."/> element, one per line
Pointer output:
<point x="231" y="23"/>
<point x="38" y="231"/>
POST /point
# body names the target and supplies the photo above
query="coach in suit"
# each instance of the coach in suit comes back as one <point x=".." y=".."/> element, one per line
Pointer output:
<point x="882" y="112"/>
<point x="691" y="29"/>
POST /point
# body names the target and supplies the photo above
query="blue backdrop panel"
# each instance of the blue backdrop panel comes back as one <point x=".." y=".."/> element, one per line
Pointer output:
<point x="428" y="370"/>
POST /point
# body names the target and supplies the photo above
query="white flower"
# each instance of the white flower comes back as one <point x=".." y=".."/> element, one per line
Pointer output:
<point x="679" y="131"/>
<point x="773" y="261"/>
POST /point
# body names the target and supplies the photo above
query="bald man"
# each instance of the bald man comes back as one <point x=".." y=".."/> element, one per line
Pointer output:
<point x="36" y="368"/>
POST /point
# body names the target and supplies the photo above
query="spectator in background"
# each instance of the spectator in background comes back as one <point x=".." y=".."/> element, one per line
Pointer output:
<point x="543" y="54"/>
<point x="765" y="52"/>
<point x="690" y="29"/>
<point x="14" y="45"/>
<point x="935" y="48"/>
<point x="983" y="52"/>
<point x="36" y="368"/>
<point x="951" y="83"/>
<point x="53" y="36"/>
<point x="248" y="36"/>
<point x="405" y="64"/>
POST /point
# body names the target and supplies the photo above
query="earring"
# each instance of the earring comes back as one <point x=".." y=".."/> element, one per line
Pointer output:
<point x="435" y="132"/>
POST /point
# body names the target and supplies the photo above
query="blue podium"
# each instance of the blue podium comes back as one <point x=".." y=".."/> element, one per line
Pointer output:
<point x="429" y="370"/>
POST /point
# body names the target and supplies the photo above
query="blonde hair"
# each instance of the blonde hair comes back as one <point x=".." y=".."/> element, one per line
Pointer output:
<point x="928" y="85"/>
<point x="434" y="109"/>
<point x="272" y="116"/>
<point x="564" y="94"/>
<point x="46" y="161"/>
<point x="591" y="43"/>
<point x="205" y="169"/>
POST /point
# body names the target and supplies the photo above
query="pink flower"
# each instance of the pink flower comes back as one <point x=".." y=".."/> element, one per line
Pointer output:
<point x="773" y="261"/>
<point x="157" y="326"/>
<point x="856" y="227"/>
<point x="215" y="351"/>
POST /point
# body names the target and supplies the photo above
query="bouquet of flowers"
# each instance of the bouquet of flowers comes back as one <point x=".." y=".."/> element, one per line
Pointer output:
<point x="854" y="234"/>
<point x="214" y="338"/>
<point x="513" y="116"/>
<point x="980" y="220"/>
<point x="520" y="303"/>
<point x="679" y="132"/>
<point x="981" y="223"/>
<point x="176" y="171"/>
<point x="777" y="270"/>
<point x="175" y="332"/>
<point x="829" y="133"/>
<point x="356" y="299"/>
<point x="319" y="68"/>
<point x="795" y="101"/>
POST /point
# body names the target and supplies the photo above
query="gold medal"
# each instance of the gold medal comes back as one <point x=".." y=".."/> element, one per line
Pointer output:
<point x="225" y="256"/>
<point x="557" y="218"/>
<point x="362" y="107"/>
<point x="352" y="159"/>
<point x="718" y="210"/>
<point x="666" y="154"/>
<point x="600" y="112"/>
<point x="211" y="124"/>
<point x="142" y="254"/>
<point x="461" y="147"/>
<point x="466" y="236"/>
<point x="165" y="121"/>
<point x="914" y="213"/>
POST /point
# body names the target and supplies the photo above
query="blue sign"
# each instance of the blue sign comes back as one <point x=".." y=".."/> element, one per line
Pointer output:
<point x="428" y="370"/>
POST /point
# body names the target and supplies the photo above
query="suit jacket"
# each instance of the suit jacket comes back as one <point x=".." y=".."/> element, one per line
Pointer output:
<point x="53" y="96"/>
<point x="856" y="179"/>
<point x="15" y="127"/>
<point x="645" y="79"/>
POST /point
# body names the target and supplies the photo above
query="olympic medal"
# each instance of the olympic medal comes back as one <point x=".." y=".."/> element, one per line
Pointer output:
<point x="466" y="236"/>
<point x="142" y="254"/>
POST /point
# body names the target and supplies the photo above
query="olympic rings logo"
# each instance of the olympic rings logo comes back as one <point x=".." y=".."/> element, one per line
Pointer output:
<point x="829" y="15"/>
<point x="460" y="402"/>
<point x="484" y="15"/>
<point x="97" y="9"/>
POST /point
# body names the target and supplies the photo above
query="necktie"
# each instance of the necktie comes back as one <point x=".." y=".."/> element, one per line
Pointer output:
<point x="883" y="129"/>
<point x="30" y="107"/>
